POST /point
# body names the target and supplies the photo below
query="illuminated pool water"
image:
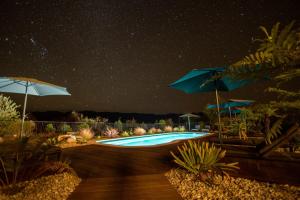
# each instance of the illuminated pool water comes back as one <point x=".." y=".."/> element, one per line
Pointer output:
<point x="148" y="140"/>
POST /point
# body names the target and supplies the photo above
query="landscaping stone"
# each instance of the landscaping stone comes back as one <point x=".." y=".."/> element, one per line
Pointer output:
<point x="191" y="188"/>
<point x="55" y="187"/>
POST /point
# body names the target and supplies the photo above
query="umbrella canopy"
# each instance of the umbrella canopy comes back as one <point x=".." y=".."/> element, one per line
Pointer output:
<point x="200" y="80"/>
<point x="188" y="116"/>
<point x="208" y="80"/>
<point x="29" y="86"/>
<point x="231" y="104"/>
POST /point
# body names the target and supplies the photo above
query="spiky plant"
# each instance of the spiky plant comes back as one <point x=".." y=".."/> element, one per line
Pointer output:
<point x="86" y="133"/>
<point x="53" y="167"/>
<point x="139" y="131"/>
<point x="203" y="159"/>
<point x="168" y="129"/>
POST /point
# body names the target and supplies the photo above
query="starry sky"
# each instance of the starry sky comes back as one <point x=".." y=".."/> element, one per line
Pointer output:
<point x="120" y="55"/>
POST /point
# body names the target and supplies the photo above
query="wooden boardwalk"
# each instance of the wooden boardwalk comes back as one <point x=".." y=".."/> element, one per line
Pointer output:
<point x="138" y="173"/>
<point x="121" y="173"/>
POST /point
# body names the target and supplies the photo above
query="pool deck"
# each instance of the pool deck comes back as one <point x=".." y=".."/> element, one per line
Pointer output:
<point x="121" y="173"/>
<point x="138" y="172"/>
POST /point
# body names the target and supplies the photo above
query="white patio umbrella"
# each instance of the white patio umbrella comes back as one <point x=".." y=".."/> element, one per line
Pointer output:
<point x="29" y="86"/>
<point x="188" y="116"/>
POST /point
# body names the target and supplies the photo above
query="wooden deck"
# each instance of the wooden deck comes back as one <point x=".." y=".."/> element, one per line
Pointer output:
<point x="121" y="173"/>
<point x="137" y="173"/>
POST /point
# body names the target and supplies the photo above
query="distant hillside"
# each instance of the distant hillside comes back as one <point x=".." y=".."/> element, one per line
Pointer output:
<point x="111" y="116"/>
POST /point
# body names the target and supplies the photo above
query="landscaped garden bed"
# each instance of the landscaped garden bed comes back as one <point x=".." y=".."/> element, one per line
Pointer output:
<point x="190" y="187"/>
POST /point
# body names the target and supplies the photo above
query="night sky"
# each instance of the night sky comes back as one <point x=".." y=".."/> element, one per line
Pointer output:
<point x="120" y="55"/>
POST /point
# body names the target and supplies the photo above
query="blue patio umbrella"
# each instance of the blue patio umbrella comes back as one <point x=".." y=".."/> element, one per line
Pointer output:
<point x="208" y="80"/>
<point x="231" y="104"/>
<point x="29" y="86"/>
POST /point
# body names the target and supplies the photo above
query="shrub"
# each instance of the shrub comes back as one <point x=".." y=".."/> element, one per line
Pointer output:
<point x="176" y="129"/>
<point x="169" y="122"/>
<point x="168" y="129"/>
<point x="52" y="141"/>
<point x="83" y="126"/>
<point x="118" y="125"/>
<point x="86" y="134"/>
<point x="144" y="126"/>
<point x="139" y="131"/>
<point x="131" y="123"/>
<point x="111" y="132"/>
<point x="202" y="125"/>
<point x="162" y="123"/>
<point x="20" y="160"/>
<point x="158" y="130"/>
<point x="125" y="134"/>
<point x="14" y="128"/>
<point x="130" y="132"/>
<point x="65" y="128"/>
<point x="152" y="130"/>
<point x="50" y="128"/>
<point x="8" y="109"/>
<point x="202" y="159"/>
<point x="181" y="128"/>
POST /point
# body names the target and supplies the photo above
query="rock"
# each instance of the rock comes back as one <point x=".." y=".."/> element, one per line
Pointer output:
<point x="228" y="188"/>
<point x="57" y="186"/>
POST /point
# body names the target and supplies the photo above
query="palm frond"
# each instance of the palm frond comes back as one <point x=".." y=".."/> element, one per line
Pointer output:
<point x="274" y="131"/>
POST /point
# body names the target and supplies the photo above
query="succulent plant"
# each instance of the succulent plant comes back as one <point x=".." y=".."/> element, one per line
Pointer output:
<point x="202" y="159"/>
<point x="86" y="133"/>
<point x="125" y="134"/>
<point x="152" y="130"/>
<point x="111" y="132"/>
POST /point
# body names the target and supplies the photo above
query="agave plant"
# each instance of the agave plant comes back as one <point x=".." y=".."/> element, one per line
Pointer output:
<point x="19" y="158"/>
<point x="53" y="167"/>
<point x="111" y="132"/>
<point x="203" y="160"/>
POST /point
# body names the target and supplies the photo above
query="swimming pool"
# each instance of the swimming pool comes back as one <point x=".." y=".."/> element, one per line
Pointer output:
<point x="149" y="140"/>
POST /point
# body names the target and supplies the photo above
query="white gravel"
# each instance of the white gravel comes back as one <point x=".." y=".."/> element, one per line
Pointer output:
<point x="229" y="188"/>
<point x="56" y="187"/>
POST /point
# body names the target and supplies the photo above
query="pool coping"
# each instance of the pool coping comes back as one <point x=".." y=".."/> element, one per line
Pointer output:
<point x="157" y="145"/>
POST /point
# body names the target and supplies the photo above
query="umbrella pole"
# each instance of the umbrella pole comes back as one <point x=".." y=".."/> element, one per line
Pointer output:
<point x="219" y="117"/>
<point x="24" y="109"/>
<point x="229" y="113"/>
<point x="189" y="123"/>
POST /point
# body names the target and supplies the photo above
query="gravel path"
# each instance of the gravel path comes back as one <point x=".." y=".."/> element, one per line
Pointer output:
<point x="56" y="187"/>
<point x="229" y="188"/>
